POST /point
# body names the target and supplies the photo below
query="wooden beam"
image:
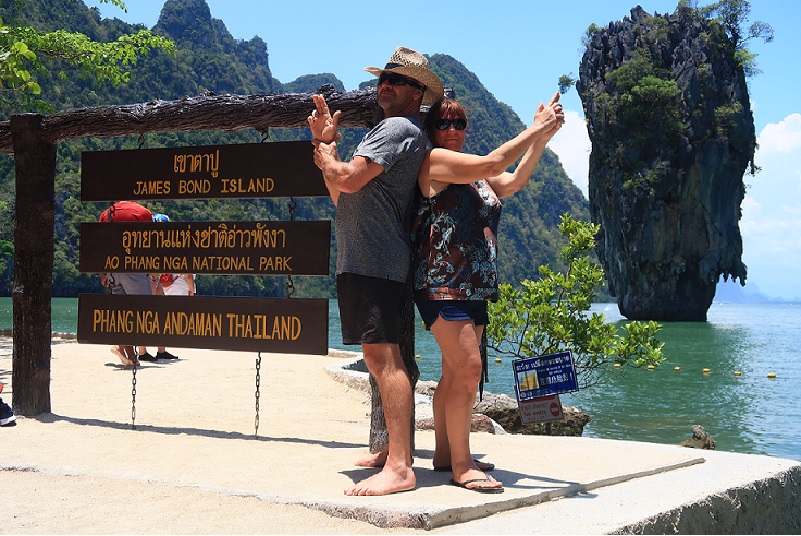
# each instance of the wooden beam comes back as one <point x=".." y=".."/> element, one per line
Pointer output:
<point x="204" y="112"/>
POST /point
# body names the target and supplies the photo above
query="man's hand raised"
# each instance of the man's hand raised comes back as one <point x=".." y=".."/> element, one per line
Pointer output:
<point x="323" y="125"/>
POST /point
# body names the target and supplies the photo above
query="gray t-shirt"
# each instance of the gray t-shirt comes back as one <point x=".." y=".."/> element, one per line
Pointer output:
<point x="372" y="225"/>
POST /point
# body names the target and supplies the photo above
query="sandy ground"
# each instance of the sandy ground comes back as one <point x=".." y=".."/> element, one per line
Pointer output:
<point x="87" y="472"/>
<point x="193" y="463"/>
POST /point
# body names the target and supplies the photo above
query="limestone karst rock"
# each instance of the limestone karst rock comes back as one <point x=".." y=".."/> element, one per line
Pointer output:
<point x="672" y="134"/>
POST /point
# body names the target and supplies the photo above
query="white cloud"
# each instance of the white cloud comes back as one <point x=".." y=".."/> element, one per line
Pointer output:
<point x="771" y="222"/>
<point x="751" y="207"/>
<point x="572" y="145"/>
<point x="781" y="137"/>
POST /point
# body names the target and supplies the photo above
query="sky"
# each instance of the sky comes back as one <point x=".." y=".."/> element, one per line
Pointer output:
<point x="518" y="49"/>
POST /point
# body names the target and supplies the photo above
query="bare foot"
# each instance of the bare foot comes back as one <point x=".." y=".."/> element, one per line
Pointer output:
<point x="130" y="352"/>
<point x="385" y="482"/>
<point x="483" y="466"/>
<point x="377" y="459"/>
<point x="125" y="361"/>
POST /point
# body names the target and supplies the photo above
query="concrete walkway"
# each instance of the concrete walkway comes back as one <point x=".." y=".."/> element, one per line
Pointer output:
<point x="192" y="464"/>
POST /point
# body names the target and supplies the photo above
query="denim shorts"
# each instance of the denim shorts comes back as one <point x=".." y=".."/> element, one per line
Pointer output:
<point x="453" y="310"/>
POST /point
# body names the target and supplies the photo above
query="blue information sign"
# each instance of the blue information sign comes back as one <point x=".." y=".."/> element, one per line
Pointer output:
<point x="544" y="375"/>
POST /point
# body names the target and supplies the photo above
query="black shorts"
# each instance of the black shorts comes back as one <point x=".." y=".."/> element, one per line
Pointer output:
<point x="369" y="309"/>
<point x="452" y="310"/>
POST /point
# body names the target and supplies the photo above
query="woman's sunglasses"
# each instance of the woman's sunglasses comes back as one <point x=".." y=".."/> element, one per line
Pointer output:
<point x="445" y="124"/>
<point x="398" y="80"/>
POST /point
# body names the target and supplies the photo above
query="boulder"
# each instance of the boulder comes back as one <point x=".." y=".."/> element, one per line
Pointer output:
<point x="504" y="410"/>
<point x="700" y="439"/>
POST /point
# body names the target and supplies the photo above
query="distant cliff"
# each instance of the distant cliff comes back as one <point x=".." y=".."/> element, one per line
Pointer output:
<point x="672" y="135"/>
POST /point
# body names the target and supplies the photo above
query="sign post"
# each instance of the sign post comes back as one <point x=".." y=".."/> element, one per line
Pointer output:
<point x="543" y="409"/>
<point x="247" y="248"/>
<point x="248" y="170"/>
<point x="257" y="170"/>
<point x="539" y="381"/>
<point x="296" y="326"/>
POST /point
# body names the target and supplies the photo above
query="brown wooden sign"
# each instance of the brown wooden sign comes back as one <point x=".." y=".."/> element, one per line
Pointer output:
<point x="251" y="248"/>
<point x="255" y="170"/>
<point x="293" y="326"/>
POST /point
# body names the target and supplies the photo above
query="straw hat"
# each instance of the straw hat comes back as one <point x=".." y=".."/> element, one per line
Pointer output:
<point x="412" y="64"/>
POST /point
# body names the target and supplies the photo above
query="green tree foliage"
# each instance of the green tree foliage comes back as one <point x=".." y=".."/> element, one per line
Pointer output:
<point x="589" y="33"/>
<point x="23" y="47"/>
<point x="15" y="55"/>
<point x="310" y="83"/>
<point x="639" y="92"/>
<point x="6" y="263"/>
<point x="550" y="315"/>
<point x="646" y="94"/>
<point x="733" y="15"/>
<point x="566" y="81"/>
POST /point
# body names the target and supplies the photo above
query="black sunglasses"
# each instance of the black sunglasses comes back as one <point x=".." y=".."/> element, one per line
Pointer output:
<point x="445" y="124"/>
<point x="398" y="80"/>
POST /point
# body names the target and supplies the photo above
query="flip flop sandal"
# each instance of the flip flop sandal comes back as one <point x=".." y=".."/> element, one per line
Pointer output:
<point x="479" y="490"/>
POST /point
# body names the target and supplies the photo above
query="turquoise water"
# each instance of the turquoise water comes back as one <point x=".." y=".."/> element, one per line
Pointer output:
<point x="750" y="413"/>
<point x="63" y="316"/>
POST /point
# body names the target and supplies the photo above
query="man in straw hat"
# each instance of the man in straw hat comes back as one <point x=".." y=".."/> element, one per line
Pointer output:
<point x="373" y="192"/>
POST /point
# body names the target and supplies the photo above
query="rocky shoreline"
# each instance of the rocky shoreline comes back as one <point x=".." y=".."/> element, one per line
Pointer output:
<point x="493" y="413"/>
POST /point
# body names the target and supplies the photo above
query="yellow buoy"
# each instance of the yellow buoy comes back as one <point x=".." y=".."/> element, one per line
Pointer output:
<point x="617" y="365"/>
<point x="650" y="367"/>
<point x="707" y="371"/>
<point x="771" y="374"/>
<point x="677" y="368"/>
<point x="737" y="373"/>
<point x="417" y="356"/>
<point x="497" y="359"/>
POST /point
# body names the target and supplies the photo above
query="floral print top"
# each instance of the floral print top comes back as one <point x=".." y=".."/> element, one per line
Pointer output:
<point x="454" y="244"/>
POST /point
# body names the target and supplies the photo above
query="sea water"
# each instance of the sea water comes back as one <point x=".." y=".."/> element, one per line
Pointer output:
<point x="749" y="412"/>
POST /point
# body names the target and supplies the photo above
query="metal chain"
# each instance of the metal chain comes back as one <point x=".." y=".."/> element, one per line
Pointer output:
<point x="133" y="377"/>
<point x="290" y="285"/>
<point x="110" y="276"/>
<point x="133" y="398"/>
<point x="265" y="134"/>
<point x="258" y="385"/>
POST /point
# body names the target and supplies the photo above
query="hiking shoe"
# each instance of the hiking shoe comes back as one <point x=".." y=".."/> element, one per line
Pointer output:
<point x="7" y="417"/>
<point x="165" y="355"/>
<point x="147" y="357"/>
